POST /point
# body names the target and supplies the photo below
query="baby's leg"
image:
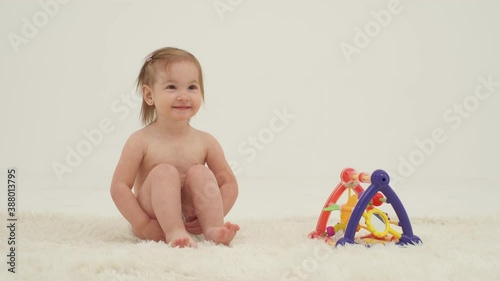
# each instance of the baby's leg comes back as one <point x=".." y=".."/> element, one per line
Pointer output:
<point x="160" y="197"/>
<point x="202" y="188"/>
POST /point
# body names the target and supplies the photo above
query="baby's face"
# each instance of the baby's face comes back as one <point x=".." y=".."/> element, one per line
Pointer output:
<point x="177" y="91"/>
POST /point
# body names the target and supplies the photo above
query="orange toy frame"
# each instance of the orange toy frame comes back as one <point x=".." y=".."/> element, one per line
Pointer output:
<point x="349" y="178"/>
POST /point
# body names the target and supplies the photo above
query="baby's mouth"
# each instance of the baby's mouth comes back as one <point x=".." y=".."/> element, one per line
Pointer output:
<point x="182" y="107"/>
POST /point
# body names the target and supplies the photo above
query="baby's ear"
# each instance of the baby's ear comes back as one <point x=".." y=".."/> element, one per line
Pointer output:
<point x="147" y="94"/>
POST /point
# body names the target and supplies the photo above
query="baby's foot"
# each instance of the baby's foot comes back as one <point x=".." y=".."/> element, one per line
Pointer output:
<point x="223" y="234"/>
<point x="181" y="239"/>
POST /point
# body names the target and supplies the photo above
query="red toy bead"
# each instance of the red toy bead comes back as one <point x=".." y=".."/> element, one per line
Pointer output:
<point x="345" y="175"/>
<point x="376" y="199"/>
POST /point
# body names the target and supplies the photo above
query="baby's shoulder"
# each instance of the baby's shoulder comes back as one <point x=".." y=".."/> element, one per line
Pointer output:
<point x="139" y="134"/>
<point x="209" y="141"/>
<point x="138" y="138"/>
<point x="205" y="136"/>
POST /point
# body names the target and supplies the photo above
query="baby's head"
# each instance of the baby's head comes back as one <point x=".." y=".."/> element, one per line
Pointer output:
<point x="161" y="60"/>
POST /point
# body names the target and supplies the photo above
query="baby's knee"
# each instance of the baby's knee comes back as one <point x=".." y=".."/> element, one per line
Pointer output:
<point x="200" y="177"/>
<point x="199" y="171"/>
<point x="163" y="171"/>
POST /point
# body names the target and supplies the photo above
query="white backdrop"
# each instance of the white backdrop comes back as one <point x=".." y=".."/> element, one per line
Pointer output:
<point x="295" y="91"/>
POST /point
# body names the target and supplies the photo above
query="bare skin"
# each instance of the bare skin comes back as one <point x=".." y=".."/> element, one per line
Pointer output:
<point x="175" y="171"/>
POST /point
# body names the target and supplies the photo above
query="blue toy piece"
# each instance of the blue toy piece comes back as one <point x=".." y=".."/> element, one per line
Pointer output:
<point x="379" y="183"/>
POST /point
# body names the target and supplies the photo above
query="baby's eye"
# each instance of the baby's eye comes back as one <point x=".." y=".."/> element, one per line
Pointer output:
<point x="171" y="87"/>
<point x="193" y="87"/>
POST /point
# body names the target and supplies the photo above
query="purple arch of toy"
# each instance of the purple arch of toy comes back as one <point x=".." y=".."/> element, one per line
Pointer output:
<point x="379" y="182"/>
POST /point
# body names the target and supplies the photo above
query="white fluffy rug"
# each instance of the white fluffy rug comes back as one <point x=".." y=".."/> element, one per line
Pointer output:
<point x="61" y="247"/>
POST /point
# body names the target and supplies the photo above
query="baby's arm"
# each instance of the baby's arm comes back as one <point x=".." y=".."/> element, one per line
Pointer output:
<point x="121" y="191"/>
<point x="216" y="162"/>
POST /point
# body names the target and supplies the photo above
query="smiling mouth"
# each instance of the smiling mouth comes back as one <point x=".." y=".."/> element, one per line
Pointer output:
<point x="181" y="107"/>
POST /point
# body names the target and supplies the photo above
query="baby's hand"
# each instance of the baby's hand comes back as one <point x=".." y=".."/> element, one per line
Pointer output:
<point x="193" y="227"/>
<point x="150" y="231"/>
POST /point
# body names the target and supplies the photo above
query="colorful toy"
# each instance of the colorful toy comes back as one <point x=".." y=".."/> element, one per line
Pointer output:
<point x="362" y="203"/>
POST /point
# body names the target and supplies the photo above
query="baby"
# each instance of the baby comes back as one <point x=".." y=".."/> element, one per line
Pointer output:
<point x="181" y="180"/>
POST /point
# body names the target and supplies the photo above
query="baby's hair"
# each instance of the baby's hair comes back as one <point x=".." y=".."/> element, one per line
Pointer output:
<point x="162" y="57"/>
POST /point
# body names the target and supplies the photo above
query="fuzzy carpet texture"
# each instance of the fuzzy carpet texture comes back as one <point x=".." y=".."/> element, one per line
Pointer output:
<point x="53" y="246"/>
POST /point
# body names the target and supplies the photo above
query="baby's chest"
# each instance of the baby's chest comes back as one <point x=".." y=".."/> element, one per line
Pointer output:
<point x="180" y="155"/>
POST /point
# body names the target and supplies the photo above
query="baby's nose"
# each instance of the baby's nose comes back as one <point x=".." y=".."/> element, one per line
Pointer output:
<point x="182" y="97"/>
